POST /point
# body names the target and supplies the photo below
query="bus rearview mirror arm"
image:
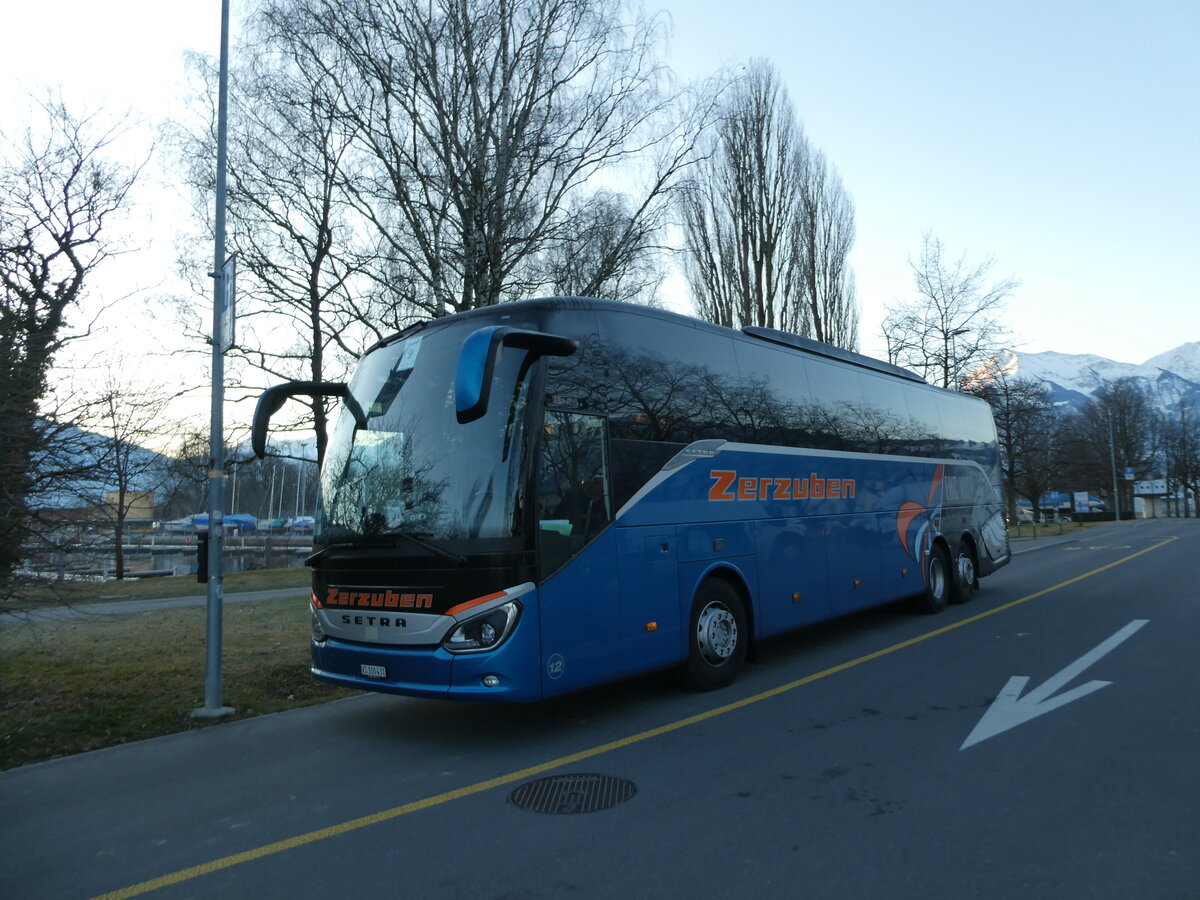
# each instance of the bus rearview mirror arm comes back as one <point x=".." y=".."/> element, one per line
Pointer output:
<point x="273" y="398"/>
<point x="477" y="362"/>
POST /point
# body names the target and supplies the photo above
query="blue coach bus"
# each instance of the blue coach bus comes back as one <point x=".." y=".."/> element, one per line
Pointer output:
<point x="539" y="496"/>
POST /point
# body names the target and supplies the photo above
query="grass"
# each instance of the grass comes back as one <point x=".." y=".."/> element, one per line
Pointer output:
<point x="82" y="684"/>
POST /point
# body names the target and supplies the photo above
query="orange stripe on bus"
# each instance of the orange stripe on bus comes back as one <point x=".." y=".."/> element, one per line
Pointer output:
<point x="463" y="607"/>
<point x="908" y="512"/>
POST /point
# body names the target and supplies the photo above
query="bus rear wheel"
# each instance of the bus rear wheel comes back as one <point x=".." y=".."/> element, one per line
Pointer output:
<point x="964" y="578"/>
<point x="717" y="638"/>
<point x="937" y="582"/>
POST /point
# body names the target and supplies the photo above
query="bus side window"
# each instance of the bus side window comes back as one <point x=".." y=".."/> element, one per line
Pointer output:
<point x="837" y="415"/>
<point x="574" y="495"/>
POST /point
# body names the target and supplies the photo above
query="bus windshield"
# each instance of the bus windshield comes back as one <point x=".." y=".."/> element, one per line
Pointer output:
<point x="399" y="463"/>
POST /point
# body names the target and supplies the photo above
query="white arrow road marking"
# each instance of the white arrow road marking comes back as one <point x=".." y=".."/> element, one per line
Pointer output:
<point x="1010" y="709"/>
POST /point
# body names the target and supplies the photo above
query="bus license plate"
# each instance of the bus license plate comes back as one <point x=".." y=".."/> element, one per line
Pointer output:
<point x="373" y="671"/>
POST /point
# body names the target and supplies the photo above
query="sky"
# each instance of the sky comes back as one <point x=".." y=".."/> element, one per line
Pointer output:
<point x="1061" y="139"/>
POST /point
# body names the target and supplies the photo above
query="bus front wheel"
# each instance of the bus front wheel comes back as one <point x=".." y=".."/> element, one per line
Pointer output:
<point x="718" y="636"/>
<point x="937" y="582"/>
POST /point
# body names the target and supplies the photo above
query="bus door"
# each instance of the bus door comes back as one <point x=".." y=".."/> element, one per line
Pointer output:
<point x="577" y="554"/>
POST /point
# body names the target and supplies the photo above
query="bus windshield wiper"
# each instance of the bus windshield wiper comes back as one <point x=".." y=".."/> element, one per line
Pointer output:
<point x="456" y="558"/>
<point x="320" y="554"/>
<point x="343" y="541"/>
<point x="432" y="548"/>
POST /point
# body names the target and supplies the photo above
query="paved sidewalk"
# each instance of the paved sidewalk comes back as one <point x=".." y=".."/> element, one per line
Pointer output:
<point x="122" y="607"/>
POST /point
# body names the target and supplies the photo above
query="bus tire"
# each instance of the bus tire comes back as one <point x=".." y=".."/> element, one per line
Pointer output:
<point x="937" y="582"/>
<point x="964" y="578"/>
<point x="718" y="636"/>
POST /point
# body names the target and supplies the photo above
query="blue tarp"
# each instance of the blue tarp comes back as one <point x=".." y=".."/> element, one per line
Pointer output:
<point x="241" y="522"/>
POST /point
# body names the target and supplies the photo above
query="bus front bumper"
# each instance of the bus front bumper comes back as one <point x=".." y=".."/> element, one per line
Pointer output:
<point x="433" y="671"/>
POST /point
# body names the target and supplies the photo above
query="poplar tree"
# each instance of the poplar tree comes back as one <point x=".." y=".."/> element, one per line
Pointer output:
<point x="767" y="223"/>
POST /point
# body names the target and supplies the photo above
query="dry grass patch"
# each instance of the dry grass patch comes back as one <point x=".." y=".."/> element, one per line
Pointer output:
<point x="71" y="686"/>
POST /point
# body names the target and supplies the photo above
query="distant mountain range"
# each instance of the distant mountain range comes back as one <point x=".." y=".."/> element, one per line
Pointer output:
<point x="1072" y="378"/>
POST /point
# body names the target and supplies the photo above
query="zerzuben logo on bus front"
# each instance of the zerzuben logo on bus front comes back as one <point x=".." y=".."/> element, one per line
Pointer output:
<point x="388" y="599"/>
<point x="729" y="486"/>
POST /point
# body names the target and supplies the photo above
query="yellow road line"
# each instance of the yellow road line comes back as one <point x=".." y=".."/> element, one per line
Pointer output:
<point x="396" y="812"/>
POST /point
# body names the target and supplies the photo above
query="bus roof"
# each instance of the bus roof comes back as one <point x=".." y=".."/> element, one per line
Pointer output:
<point x="829" y="351"/>
<point x="769" y="335"/>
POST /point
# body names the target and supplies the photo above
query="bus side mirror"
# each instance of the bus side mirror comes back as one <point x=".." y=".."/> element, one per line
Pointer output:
<point x="477" y="362"/>
<point x="274" y="397"/>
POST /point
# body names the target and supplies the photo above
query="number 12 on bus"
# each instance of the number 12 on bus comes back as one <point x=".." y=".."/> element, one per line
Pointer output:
<point x="536" y="497"/>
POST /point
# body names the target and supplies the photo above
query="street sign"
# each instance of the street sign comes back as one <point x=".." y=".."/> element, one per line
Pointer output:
<point x="1129" y="473"/>
<point x="1081" y="502"/>
<point x="228" y="301"/>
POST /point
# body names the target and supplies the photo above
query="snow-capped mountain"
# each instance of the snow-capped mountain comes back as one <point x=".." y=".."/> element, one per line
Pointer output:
<point x="1072" y="378"/>
<point x="1184" y="361"/>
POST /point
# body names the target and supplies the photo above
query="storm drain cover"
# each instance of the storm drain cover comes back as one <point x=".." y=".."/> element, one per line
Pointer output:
<point x="564" y="794"/>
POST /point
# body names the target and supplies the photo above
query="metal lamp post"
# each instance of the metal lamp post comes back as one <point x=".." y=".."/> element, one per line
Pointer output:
<point x="222" y="338"/>
<point x="1112" y="451"/>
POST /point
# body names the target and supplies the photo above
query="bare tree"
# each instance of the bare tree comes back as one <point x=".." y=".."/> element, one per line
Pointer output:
<point x="1027" y="429"/>
<point x="122" y="419"/>
<point x="826" y="235"/>
<point x="767" y="224"/>
<point x="1039" y="464"/>
<point x="613" y="253"/>
<point x="478" y="122"/>
<point x="300" y="252"/>
<point x="952" y="327"/>
<point x="63" y="459"/>
<point x="1181" y="451"/>
<point x="1114" y="430"/>
<point x="740" y="210"/>
<point x="185" y="488"/>
<point x="392" y="161"/>
<point x="58" y="195"/>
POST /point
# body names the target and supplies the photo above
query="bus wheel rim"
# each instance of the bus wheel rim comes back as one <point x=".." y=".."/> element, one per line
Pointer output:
<point x="716" y="633"/>
<point x="966" y="569"/>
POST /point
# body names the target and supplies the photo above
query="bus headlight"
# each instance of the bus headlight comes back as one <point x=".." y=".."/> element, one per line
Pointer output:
<point x="318" y="632"/>
<point x="484" y="632"/>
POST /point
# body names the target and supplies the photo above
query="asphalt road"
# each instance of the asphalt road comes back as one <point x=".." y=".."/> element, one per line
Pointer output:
<point x="848" y="761"/>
